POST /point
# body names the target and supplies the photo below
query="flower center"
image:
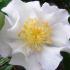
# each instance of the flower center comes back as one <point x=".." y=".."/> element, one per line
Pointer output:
<point x="35" y="34"/>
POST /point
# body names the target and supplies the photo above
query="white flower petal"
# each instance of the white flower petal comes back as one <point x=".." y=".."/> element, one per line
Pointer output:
<point x="3" y="32"/>
<point x="67" y="48"/>
<point x="15" y="12"/>
<point x="33" y="4"/>
<point x="18" y="59"/>
<point x="33" y="62"/>
<point x="48" y="8"/>
<point x="60" y="15"/>
<point x="6" y="32"/>
<point x="29" y="62"/>
<point x="15" y="44"/>
<point x="67" y="30"/>
<point x="12" y="11"/>
<point x="5" y="49"/>
<point x="19" y="46"/>
<point x="61" y="34"/>
<point x="51" y="58"/>
<point x="17" y="9"/>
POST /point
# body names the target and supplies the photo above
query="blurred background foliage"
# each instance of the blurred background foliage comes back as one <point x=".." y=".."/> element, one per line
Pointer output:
<point x="65" y="64"/>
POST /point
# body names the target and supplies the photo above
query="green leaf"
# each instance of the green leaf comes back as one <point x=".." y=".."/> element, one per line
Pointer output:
<point x="4" y="61"/>
<point x="2" y="20"/>
<point x="3" y="67"/>
<point x="9" y="67"/>
<point x="6" y="67"/>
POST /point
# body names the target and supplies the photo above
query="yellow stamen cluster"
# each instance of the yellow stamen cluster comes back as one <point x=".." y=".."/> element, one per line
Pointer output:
<point x="35" y="34"/>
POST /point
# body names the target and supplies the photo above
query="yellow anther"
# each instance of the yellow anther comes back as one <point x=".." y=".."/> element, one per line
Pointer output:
<point x="35" y="34"/>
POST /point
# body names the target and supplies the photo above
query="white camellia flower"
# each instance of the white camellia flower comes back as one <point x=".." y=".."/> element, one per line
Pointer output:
<point x="37" y="34"/>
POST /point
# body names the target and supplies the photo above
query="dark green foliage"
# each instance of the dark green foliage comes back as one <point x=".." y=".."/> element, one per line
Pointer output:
<point x="66" y="60"/>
